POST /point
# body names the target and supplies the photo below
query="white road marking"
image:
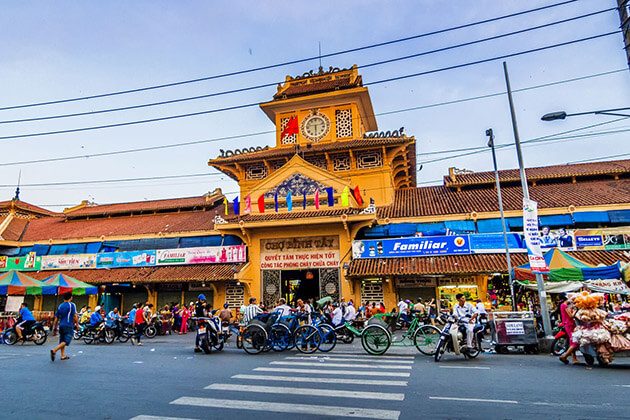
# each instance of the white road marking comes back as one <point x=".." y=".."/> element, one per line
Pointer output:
<point x="143" y="417"/>
<point x="387" y="396"/>
<point x="289" y="408"/>
<point x="367" y="356"/>
<point x="342" y="365"/>
<point x="343" y="359"/>
<point x="623" y="386"/>
<point x="474" y="400"/>
<point x="465" y="367"/>
<point x="321" y="380"/>
<point x="333" y="372"/>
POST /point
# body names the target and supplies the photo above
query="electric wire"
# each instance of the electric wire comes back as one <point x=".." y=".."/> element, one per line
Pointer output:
<point x="260" y="86"/>
<point x="245" y="135"/>
<point x="287" y="63"/>
<point x="249" y="105"/>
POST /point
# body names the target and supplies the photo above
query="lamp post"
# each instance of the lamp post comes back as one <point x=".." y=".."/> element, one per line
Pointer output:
<point x="540" y="285"/>
<point x="561" y="115"/>
<point x="490" y="135"/>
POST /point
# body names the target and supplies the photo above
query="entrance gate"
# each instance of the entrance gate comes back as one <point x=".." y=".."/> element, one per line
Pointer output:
<point x="329" y="284"/>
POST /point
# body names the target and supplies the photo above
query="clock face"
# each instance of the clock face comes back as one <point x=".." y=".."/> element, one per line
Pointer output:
<point x="315" y="127"/>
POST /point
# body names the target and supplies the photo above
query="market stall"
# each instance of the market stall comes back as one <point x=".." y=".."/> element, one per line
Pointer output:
<point x="64" y="284"/>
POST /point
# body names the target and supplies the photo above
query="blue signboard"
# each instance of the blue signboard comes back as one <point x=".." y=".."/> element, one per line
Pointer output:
<point x="412" y="247"/>
<point x="494" y="242"/>
<point x="125" y="259"/>
<point x="589" y="240"/>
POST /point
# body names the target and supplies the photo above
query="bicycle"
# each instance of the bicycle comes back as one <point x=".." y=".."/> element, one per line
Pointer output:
<point x="376" y="339"/>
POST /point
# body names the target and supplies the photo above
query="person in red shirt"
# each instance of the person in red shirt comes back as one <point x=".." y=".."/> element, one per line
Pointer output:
<point x="140" y="322"/>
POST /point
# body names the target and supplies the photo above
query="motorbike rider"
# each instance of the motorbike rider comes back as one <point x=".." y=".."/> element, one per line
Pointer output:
<point x="96" y="319"/>
<point x="337" y="315"/>
<point x="467" y="316"/>
<point x="113" y="320"/>
<point x="225" y="315"/>
<point x="351" y="312"/>
<point x="201" y="308"/>
<point x="27" y="320"/>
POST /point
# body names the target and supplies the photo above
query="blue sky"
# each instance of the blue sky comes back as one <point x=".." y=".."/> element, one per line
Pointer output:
<point x="53" y="50"/>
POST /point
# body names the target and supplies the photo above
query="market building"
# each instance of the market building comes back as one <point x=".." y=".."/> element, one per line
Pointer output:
<point x="333" y="208"/>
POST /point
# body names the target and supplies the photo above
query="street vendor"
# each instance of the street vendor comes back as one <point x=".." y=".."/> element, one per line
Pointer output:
<point x="567" y="311"/>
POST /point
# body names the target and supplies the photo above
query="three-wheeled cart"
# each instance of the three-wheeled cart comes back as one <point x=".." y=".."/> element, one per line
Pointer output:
<point x="514" y="329"/>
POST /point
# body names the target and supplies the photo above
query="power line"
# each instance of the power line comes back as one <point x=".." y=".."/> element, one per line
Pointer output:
<point x="260" y="86"/>
<point x="235" y="107"/>
<point x="105" y="181"/>
<point x="599" y="158"/>
<point x="245" y="135"/>
<point x="287" y="63"/>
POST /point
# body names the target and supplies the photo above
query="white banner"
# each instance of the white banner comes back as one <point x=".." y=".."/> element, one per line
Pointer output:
<point x="532" y="237"/>
<point x="202" y="255"/>
<point x="60" y="262"/>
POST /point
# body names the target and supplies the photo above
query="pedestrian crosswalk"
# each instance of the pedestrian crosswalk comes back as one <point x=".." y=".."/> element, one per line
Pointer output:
<point x="339" y="385"/>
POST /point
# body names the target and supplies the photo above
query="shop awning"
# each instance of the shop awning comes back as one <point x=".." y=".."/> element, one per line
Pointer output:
<point x="460" y="264"/>
<point x="166" y="274"/>
<point x="556" y="220"/>
<point x="591" y="217"/>
<point x="619" y="216"/>
<point x="490" y="225"/>
<point x="460" y="226"/>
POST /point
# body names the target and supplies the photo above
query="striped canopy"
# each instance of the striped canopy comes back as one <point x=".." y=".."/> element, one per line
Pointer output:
<point x="64" y="284"/>
<point x="564" y="267"/>
<point x="16" y="283"/>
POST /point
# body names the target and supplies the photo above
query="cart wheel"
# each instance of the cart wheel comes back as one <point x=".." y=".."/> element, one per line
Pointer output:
<point x="375" y="340"/>
<point x="590" y="360"/>
<point x="426" y="338"/>
<point x="329" y="338"/>
<point x="307" y="339"/>
<point x="254" y="339"/>
<point x="601" y="361"/>
<point x="280" y="337"/>
<point x="501" y="349"/>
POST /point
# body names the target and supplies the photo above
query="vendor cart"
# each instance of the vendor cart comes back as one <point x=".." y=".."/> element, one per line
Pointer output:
<point x="514" y="329"/>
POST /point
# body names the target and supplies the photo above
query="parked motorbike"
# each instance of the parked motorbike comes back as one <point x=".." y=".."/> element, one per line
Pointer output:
<point x="210" y="334"/>
<point x="36" y="333"/>
<point x="560" y="342"/>
<point x="99" y="334"/>
<point x="452" y="339"/>
<point x="151" y="330"/>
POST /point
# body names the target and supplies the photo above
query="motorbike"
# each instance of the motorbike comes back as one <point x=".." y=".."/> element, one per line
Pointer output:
<point x="78" y="333"/>
<point x="151" y="330"/>
<point x="560" y="342"/>
<point x="98" y="334"/>
<point x="36" y="333"/>
<point x="210" y="334"/>
<point x="122" y="330"/>
<point x="453" y="340"/>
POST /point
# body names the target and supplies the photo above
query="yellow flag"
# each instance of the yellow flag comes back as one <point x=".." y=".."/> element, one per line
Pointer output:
<point x="225" y="205"/>
<point x="345" y="197"/>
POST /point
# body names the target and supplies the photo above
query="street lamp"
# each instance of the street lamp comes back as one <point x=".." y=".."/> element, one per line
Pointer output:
<point x="561" y="115"/>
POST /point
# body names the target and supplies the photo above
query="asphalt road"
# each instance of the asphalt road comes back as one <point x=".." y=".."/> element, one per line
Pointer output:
<point x="164" y="378"/>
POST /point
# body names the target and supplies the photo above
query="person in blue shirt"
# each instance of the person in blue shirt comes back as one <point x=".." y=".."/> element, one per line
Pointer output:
<point x="112" y="318"/>
<point x="27" y="320"/>
<point x="96" y="319"/>
<point x="68" y="319"/>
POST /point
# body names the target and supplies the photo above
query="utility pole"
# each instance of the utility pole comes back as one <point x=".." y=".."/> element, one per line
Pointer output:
<point x="490" y="135"/>
<point x="624" y="17"/>
<point x="540" y="285"/>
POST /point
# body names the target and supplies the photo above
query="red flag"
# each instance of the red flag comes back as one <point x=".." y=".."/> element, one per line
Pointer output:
<point x="248" y="204"/>
<point x="317" y="199"/>
<point x="291" y="128"/>
<point x="357" y="195"/>
<point x="261" y="203"/>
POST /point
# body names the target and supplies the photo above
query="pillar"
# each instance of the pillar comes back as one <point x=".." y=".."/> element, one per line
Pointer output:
<point x="37" y="303"/>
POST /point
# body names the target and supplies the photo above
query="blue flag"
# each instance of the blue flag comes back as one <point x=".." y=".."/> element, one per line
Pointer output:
<point x="275" y="200"/>
<point x="236" y="205"/>
<point x="304" y="200"/>
<point x="289" y="201"/>
<point x="331" y="196"/>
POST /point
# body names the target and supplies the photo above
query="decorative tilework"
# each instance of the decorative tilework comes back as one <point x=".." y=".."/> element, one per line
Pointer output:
<point x="369" y="159"/>
<point x="343" y="119"/>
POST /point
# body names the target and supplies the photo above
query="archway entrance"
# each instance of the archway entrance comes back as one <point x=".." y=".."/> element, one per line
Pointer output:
<point x="299" y="284"/>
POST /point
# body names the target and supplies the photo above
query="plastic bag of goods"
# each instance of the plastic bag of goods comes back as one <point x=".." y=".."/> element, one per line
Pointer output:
<point x="586" y="300"/>
<point x="615" y="326"/>
<point x="585" y="336"/>
<point x="590" y="315"/>
<point x="619" y="342"/>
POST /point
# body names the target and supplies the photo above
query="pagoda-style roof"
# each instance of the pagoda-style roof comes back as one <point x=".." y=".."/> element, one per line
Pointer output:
<point x="321" y="81"/>
<point x="23" y="208"/>
<point x="594" y="170"/>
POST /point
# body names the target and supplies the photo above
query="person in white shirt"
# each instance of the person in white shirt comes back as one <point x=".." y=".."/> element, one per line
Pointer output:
<point x="402" y="306"/>
<point x="467" y="315"/>
<point x="351" y="313"/>
<point x="251" y="310"/>
<point x="283" y="308"/>
<point x="337" y="315"/>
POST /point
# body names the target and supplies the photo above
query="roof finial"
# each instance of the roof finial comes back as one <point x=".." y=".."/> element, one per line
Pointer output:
<point x="321" y="69"/>
<point x="17" y="190"/>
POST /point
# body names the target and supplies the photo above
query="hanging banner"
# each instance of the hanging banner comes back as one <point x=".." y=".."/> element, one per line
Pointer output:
<point x="411" y="247"/>
<point x="299" y="253"/>
<point x="30" y="262"/>
<point x="126" y="259"/>
<point x="68" y="262"/>
<point x="201" y="255"/>
<point x="532" y="237"/>
<point x="494" y="242"/>
<point x="607" y="238"/>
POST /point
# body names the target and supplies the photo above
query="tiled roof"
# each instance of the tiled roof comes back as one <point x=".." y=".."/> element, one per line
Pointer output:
<point x="317" y="147"/>
<point x="184" y="273"/>
<point x="14" y="230"/>
<point x="462" y="264"/>
<point x="203" y="201"/>
<point x="441" y="200"/>
<point x="339" y="83"/>
<point x="61" y="228"/>
<point x="614" y="167"/>
<point x="26" y="207"/>
<point x="296" y="214"/>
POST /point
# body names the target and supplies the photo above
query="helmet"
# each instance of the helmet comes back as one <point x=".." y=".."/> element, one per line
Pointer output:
<point x="98" y="308"/>
<point x="226" y="305"/>
<point x="201" y="297"/>
<point x="407" y="301"/>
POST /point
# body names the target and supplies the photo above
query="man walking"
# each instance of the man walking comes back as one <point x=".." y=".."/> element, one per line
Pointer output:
<point x="67" y="318"/>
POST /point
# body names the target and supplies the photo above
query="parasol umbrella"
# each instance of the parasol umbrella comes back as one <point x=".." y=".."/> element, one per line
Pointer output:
<point x="16" y="283"/>
<point x="64" y="284"/>
<point x="564" y="267"/>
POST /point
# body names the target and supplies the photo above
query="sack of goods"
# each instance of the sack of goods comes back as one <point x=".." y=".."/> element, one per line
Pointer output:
<point x="620" y="334"/>
<point x="586" y="300"/>
<point x="590" y="315"/>
<point x="594" y="335"/>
